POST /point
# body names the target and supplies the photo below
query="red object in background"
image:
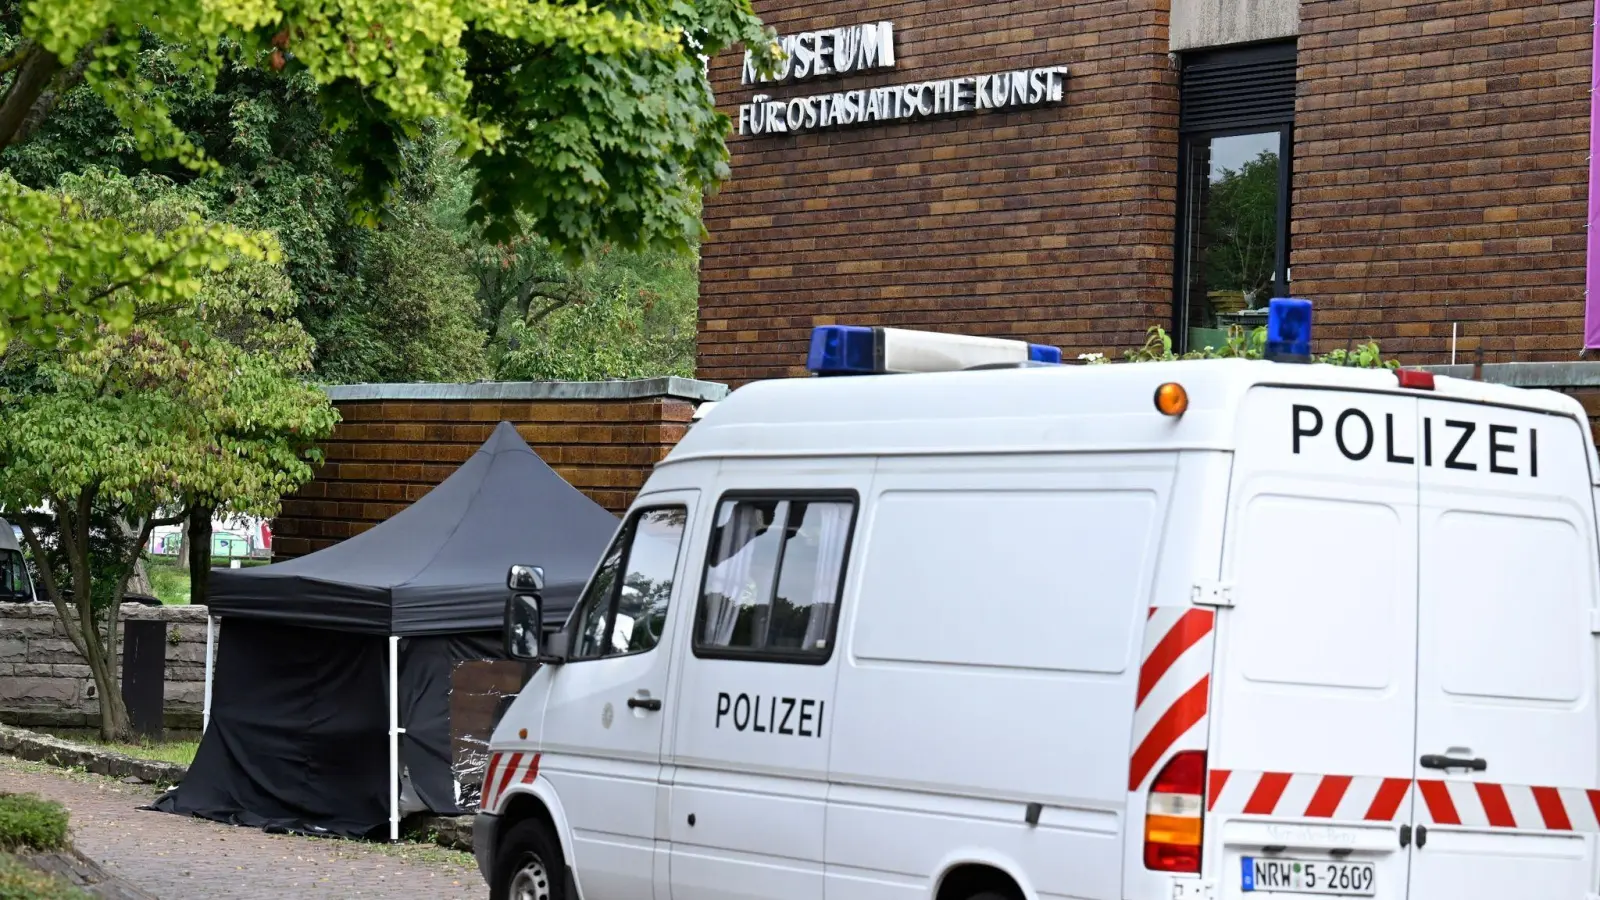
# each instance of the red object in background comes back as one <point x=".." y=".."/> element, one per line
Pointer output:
<point x="266" y="536"/>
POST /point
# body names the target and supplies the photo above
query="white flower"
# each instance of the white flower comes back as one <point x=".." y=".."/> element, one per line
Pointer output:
<point x="1091" y="357"/>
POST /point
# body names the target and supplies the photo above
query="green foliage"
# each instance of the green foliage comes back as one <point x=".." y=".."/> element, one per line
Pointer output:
<point x="619" y="315"/>
<point x="1244" y="344"/>
<point x="28" y="822"/>
<point x="1241" y="227"/>
<point x="169" y="583"/>
<point x="588" y="125"/>
<point x="20" y="881"/>
<point x="64" y="265"/>
<point x="199" y="401"/>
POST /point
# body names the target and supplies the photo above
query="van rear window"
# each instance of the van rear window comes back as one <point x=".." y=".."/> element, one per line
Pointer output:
<point x="773" y="576"/>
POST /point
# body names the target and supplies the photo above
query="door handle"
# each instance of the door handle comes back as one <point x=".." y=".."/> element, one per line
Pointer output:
<point x="1435" y="761"/>
<point x="649" y="703"/>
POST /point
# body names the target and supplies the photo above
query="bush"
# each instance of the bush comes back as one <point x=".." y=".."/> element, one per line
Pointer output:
<point x="19" y="881"/>
<point x="1242" y="344"/>
<point x="29" y="822"/>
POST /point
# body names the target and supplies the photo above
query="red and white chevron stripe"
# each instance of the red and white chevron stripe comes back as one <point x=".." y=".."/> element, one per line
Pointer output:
<point x="1473" y="804"/>
<point x="1296" y="795"/>
<point x="506" y="769"/>
<point x="1485" y="804"/>
<point x="1174" y="687"/>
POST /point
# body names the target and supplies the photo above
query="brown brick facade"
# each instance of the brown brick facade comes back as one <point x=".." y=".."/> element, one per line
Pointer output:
<point x="1053" y="224"/>
<point x="1441" y="174"/>
<point x="388" y="451"/>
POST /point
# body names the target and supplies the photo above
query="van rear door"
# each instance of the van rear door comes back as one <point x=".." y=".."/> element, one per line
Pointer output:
<point x="1314" y="698"/>
<point x="1506" y="712"/>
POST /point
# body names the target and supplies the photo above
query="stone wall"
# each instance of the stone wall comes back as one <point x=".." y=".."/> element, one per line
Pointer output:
<point x="45" y="683"/>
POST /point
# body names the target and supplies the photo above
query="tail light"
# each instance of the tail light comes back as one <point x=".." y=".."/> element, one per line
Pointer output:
<point x="1175" y="815"/>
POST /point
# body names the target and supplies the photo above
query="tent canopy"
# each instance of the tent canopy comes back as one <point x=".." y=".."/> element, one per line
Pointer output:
<point x="438" y="566"/>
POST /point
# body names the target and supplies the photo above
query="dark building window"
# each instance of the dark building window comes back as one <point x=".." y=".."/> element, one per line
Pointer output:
<point x="1236" y="139"/>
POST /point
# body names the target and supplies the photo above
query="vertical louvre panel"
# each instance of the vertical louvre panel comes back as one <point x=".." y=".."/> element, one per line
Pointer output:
<point x="1228" y="90"/>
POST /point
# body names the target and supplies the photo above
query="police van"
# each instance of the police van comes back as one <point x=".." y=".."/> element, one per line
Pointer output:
<point x="1210" y="629"/>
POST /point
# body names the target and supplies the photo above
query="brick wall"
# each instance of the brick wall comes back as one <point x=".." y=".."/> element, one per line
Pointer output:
<point x="397" y="441"/>
<point x="1055" y="224"/>
<point x="1440" y="173"/>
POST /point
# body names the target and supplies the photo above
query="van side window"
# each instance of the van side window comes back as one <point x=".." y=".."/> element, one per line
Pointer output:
<point x="617" y="617"/>
<point x="773" y="577"/>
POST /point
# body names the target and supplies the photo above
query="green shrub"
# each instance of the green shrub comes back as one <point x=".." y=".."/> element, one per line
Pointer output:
<point x="19" y="881"/>
<point x="1242" y="344"/>
<point x="27" y="821"/>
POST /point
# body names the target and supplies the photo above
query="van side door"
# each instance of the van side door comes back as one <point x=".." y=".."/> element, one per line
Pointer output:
<point x="1506" y="714"/>
<point x="749" y="756"/>
<point x="604" y="713"/>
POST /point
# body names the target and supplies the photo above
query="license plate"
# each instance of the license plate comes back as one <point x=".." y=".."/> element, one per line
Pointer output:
<point x="1304" y="876"/>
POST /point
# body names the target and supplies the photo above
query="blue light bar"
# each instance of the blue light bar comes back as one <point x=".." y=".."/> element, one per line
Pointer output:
<point x="844" y="350"/>
<point x="1040" y="353"/>
<point x="861" y="350"/>
<point x="1288" y="330"/>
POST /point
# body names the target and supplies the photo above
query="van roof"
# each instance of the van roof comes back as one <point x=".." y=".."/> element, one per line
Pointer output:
<point x="1042" y="409"/>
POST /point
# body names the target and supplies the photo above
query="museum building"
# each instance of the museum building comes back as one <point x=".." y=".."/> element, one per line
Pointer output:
<point x="1074" y="172"/>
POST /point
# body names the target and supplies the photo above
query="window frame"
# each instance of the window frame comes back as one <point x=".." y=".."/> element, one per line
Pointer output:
<point x="778" y="495"/>
<point x="1248" y="121"/>
<point x="626" y="533"/>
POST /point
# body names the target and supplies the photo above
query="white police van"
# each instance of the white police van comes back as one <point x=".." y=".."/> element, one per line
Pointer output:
<point x="1214" y="629"/>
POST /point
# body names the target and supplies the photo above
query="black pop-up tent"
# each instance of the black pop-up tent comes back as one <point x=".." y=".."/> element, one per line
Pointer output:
<point x="331" y="684"/>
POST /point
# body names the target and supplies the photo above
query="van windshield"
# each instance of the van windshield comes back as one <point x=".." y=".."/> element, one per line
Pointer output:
<point x="13" y="576"/>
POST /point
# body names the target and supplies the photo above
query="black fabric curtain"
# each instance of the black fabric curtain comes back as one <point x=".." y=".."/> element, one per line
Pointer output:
<point x="426" y="665"/>
<point x="298" y="738"/>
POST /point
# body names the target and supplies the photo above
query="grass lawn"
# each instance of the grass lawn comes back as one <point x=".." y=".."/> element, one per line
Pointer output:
<point x="171" y="584"/>
<point x="179" y="746"/>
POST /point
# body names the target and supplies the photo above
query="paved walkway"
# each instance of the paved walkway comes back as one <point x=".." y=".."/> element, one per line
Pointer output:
<point x="191" y="859"/>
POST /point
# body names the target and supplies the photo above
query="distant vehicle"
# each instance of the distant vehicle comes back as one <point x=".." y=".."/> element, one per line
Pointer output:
<point x="1200" y="630"/>
<point x="16" y="586"/>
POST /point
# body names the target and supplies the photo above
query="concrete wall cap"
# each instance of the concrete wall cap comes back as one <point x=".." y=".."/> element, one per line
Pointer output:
<point x="670" y="386"/>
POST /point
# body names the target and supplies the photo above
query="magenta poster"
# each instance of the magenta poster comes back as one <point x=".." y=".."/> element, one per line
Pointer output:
<point x="1591" y="285"/>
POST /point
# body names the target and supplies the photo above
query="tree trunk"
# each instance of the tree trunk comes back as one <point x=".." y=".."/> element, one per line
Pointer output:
<point x="32" y="77"/>
<point x="183" y="546"/>
<point x="138" y="579"/>
<point x="199" y="554"/>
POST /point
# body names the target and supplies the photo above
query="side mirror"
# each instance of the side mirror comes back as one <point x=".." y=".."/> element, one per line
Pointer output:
<point x="529" y="579"/>
<point x="524" y="627"/>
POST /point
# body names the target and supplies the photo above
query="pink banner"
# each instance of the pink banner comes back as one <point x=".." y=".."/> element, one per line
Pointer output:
<point x="1591" y="284"/>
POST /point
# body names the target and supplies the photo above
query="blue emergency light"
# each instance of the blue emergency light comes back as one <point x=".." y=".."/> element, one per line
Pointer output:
<point x="864" y="350"/>
<point x="1288" y="330"/>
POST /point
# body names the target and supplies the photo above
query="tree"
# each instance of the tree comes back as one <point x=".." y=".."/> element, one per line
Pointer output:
<point x="590" y="125"/>
<point x="620" y="314"/>
<point x="197" y="403"/>
<point x="1241" y="227"/>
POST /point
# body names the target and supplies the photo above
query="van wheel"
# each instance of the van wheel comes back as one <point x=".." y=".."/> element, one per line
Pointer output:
<point x="989" y="895"/>
<point x="529" y="864"/>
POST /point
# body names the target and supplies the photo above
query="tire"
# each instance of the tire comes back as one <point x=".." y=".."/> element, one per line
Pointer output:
<point x="988" y="895"/>
<point x="528" y="865"/>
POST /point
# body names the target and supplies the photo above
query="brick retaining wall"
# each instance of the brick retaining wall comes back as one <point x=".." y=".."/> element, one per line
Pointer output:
<point x="399" y="440"/>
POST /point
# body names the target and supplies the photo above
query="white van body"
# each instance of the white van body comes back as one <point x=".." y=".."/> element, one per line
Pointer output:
<point x="1364" y="614"/>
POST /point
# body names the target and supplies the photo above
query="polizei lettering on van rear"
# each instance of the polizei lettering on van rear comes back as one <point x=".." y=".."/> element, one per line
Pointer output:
<point x="801" y="717"/>
<point x="1451" y="443"/>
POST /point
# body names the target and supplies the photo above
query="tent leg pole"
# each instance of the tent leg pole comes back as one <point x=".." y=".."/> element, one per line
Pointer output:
<point x="394" y="738"/>
<point x="205" y="714"/>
